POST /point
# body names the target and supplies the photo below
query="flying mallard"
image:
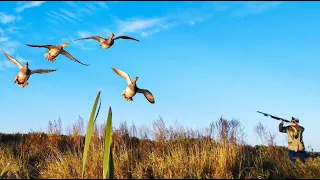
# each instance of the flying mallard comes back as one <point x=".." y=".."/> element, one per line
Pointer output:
<point x="24" y="74"/>
<point x="54" y="52"/>
<point x="107" y="43"/>
<point x="132" y="88"/>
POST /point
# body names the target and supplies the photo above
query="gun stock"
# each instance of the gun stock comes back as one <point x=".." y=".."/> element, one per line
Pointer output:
<point x="274" y="117"/>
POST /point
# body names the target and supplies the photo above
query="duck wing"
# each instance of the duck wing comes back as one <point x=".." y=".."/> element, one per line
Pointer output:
<point x="123" y="75"/>
<point x="125" y="37"/>
<point x="65" y="53"/>
<point x="147" y="94"/>
<point x="42" y="71"/>
<point x="14" y="61"/>
<point x="41" y="46"/>
<point x="97" y="38"/>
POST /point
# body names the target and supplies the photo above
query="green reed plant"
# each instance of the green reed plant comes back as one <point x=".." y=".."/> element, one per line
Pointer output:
<point x="90" y="128"/>
<point x="4" y="172"/>
<point x="108" y="167"/>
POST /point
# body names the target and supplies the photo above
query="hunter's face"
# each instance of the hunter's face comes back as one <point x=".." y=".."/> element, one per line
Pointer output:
<point x="294" y="123"/>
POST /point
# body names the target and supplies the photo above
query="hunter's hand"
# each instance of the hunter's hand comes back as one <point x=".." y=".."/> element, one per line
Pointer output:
<point x="281" y="121"/>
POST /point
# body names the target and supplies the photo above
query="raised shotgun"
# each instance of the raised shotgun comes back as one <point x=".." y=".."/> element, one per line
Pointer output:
<point x="274" y="117"/>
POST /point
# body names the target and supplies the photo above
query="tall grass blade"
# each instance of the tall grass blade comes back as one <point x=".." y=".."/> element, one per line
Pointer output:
<point x="95" y="119"/>
<point x="107" y="148"/>
<point x="90" y="128"/>
<point x="111" y="165"/>
<point x="5" y="171"/>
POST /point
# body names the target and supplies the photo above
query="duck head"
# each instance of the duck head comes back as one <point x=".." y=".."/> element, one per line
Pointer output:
<point x="135" y="79"/>
<point x="111" y="35"/>
<point x="65" y="44"/>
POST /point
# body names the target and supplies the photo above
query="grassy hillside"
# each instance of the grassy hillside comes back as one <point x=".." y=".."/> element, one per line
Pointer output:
<point x="218" y="151"/>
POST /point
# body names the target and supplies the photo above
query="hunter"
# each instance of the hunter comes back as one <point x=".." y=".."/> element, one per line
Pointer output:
<point x="295" y="139"/>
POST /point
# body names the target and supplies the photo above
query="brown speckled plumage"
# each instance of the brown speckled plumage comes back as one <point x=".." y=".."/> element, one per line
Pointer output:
<point x="132" y="88"/>
<point x="54" y="52"/>
<point x="107" y="43"/>
<point x="24" y="72"/>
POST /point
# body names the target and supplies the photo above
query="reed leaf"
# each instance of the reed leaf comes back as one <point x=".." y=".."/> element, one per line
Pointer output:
<point x="107" y="155"/>
<point x="95" y="119"/>
<point x="111" y="165"/>
<point x="90" y="128"/>
<point x="5" y="171"/>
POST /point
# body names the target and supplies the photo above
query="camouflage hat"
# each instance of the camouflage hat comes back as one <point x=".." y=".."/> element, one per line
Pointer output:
<point x="295" y="119"/>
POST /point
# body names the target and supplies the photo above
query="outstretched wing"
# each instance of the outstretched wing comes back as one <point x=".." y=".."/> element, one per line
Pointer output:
<point x="97" y="38"/>
<point x="71" y="57"/>
<point x="41" y="46"/>
<point x="42" y="71"/>
<point x="123" y="75"/>
<point x="147" y="94"/>
<point x="125" y="37"/>
<point x="14" y="61"/>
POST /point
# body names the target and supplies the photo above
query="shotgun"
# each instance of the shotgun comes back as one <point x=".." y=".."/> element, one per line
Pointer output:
<point x="274" y="117"/>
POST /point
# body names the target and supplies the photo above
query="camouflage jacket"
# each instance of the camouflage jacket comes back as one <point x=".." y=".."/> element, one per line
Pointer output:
<point x="295" y="139"/>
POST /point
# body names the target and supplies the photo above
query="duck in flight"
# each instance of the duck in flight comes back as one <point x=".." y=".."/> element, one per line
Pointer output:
<point x="55" y="51"/>
<point x="132" y="88"/>
<point x="24" y="72"/>
<point x="107" y="43"/>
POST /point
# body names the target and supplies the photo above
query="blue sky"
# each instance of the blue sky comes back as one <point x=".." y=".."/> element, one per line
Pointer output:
<point x="201" y="60"/>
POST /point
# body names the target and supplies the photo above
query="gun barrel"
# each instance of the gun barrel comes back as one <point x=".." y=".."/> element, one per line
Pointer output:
<point x="274" y="117"/>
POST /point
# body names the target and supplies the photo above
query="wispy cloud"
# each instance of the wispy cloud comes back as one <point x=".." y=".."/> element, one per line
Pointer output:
<point x="13" y="29"/>
<point x="62" y="15"/>
<point x="1" y="33"/>
<point x="21" y="59"/>
<point x="6" y="43"/>
<point x="9" y="46"/>
<point x="91" y="7"/>
<point x="57" y="16"/>
<point x="27" y="5"/>
<point x="99" y="31"/>
<point x="68" y="13"/>
<point x="5" y="63"/>
<point x="148" y="33"/>
<point x="6" y="18"/>
<point x="148" y="26"/>
<point x="70" y="3"/>
<point x="83" y="34"/>
<point x="3" y="39"/>
<point x="102" y="4"/>
<point x="255" y="8"/>
<point x="79" y="11"/>
<point x="139" y="25"/>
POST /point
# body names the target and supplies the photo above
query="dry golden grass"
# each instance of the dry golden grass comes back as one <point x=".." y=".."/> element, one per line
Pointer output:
<point x="218" y="151"/>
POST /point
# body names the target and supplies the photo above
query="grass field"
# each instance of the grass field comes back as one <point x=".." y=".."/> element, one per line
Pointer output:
<point x="175" y="152"/>
<point x="218" y="151"/>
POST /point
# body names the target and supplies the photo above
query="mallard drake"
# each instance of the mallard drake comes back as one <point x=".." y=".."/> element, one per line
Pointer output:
<point x="132" y="88"/>
<point x="24" y="74"/>
<point x="55" y="50"/>
<point x="107" y="43"/>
